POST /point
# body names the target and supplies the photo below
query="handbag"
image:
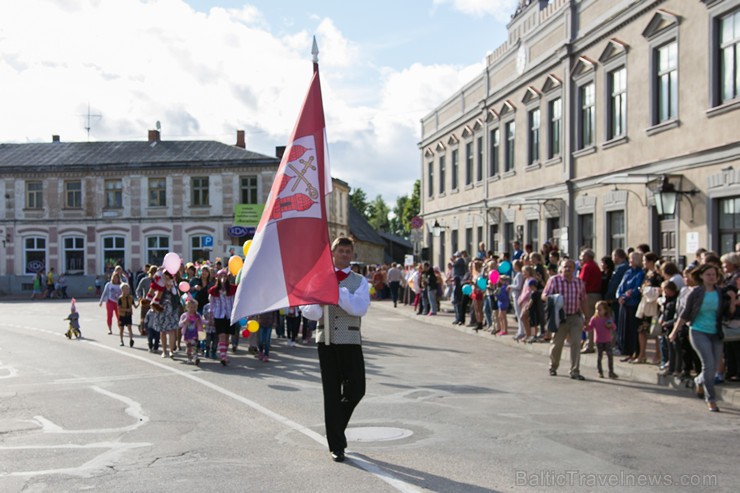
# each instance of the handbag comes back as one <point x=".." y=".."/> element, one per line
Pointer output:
<point x="731" y="330"/>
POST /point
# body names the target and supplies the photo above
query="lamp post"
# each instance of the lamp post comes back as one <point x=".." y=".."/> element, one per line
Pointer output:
<point x="666" y="197"/>
<point x="436" y="229"/>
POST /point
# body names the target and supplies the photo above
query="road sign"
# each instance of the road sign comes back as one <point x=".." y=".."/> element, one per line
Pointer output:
<point x="417" y="222"/>
<point x="206" y="241"/>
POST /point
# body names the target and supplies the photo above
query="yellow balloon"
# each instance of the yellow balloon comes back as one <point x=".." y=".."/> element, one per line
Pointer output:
<point x="246" y="246"/>
<point x="235" y="264"/>
<point x="253" y="326"/>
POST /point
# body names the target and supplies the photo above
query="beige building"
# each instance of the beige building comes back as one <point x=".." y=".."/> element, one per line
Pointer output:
<point x="583" y="125"/>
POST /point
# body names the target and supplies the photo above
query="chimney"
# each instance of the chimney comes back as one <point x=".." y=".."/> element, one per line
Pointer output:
<point x="55" y="138"/>
<point x="154" y="136"/>
<point x="279" y="151"/>
<point x="240" y="139"/>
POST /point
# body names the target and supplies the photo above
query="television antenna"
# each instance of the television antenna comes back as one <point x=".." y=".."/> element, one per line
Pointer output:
<point x="89" y="117"/>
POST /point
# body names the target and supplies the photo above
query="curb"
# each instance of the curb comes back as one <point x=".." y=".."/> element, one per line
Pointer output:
<point x="727" y="392"/>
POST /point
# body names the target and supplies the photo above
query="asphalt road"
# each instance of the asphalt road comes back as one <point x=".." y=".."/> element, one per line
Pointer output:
<point x="444" y="411"/>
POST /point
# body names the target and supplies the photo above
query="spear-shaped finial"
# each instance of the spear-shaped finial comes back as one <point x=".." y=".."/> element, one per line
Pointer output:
<point x="315" y="51"/>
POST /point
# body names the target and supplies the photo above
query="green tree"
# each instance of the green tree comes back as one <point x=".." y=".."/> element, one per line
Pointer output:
<point x="397" y="224"/>
<point x="377" y="212"/>
<point x="358" y="199"/>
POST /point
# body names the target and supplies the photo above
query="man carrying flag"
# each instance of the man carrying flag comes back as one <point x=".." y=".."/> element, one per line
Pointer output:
<point x="340" y="347"/>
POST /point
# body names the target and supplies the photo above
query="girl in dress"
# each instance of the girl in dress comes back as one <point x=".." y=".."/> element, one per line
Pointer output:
<point x="191" y="324"/>
<point x="168" y="318"/>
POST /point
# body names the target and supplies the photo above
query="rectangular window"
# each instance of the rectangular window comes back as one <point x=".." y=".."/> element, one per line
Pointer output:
<point x="442" y="174"/>
<point x="555" y="108"/>
<point x="113" y="194"/>
<point x="34" y="195"/>
<point x="617" y="108"/>
<point x="493" y="230"/>
<point x="114" y="252"/>
<point x="480" y="236"/>
<point x="729" y="223"/>
<point x="510" y="129"/>
<point x="157" y="192"/>
<point x="534" y="136"/>
<point x="453" y="169"/>
<point x="468" y="163"/>
<point x="430" y="181"/>
<point x="454" y="241"/>
<point x="479" y="161"/>
<point x="667" y="82"/>
<point x="156" y="248"/>
<point x="552" y="228"/>
<point x="729" y="46"/>
<point x="587" y="121"/>
<point x="533" y="234"/>
<point x="34" y="253"/>
<point x="199" y="189"/>
<point x="615" y="234"/>
<point x="199" y="253"/>
<point x="469" y="241"/>
<point x="509" y="237"/>
<point x="586" y="231"/>
<point x="73" y="194"/>
<point x="248" y="189"/>
<point x="74" y="255"/>
<point x="495" y="144"/>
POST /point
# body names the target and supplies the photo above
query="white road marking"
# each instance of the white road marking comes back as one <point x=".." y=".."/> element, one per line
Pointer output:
<point x="12" y="372"/>
<point x="373" y="469"/>
<point x="134" y="410"/>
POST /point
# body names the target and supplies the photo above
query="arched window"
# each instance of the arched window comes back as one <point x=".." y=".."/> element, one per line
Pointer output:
<point x="34" y="254"/>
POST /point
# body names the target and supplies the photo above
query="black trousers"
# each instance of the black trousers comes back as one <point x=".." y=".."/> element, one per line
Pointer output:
<point x="343" y="381"/>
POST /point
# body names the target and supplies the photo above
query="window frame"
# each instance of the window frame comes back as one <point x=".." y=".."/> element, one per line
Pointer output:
<point x="611" y="235"/>
<point x="533" y="233"/>
<point x="612" y="97"/>
<point x="509" y="146"/>
<point x="253" y="190"/>
<point x="113" y="192"/>
<point x="74" y="248"/>
<point x="494" y="162"/>
<point x="454" y="169"/>
<point x="442" y="173"/>
<point x="72" y="198"/>
<point x="200" y="193"/>
<point x="717" y="99"/>
<point x="430" y="181"/>
<point x="479" y="158"/>
<point x="148" y="249"/>
<point x="554" y="132"/>
<point x="656" y="40"/>
<point x="157" y="191"/>
<point x="469" y="163"/>
<point x="659" y="75"/>
<point x="582" y="107"/>
<point x="198" y="248"/>
<point x="113" y="248"/>
<point x="34" y="198"/>
<point x="533" y="135"/>
<point x="36" y="248"/>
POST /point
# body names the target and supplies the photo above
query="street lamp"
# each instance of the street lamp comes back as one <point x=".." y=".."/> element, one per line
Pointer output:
<point x="436" y="229"/>
<point x="666" y="197"/>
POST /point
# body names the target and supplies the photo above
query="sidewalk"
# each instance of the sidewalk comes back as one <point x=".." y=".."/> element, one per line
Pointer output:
<point x="643" y="373"/>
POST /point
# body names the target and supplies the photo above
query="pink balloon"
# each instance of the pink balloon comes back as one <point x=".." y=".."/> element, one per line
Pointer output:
<point x="493" y="277"/>
<point x="171" y="263"/>
<point x="184" y="286"/>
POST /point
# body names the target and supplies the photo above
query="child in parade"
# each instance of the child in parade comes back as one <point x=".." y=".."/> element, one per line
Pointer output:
<point x="502" y="300"/>
<point x="74" y="322"/>
<point x="211" y="342"/>
<point x="152" y="331"/>
<point x="191" y="324"/>
<point x="126" y="305"/>
<point x="110" y="295"/>
<point x="603" y="326"/>
<point x="668" y="318"/>
<point x="293" y="321"/>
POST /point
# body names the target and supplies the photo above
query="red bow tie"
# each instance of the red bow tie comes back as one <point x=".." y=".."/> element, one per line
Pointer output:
<point x="341" y="275"/>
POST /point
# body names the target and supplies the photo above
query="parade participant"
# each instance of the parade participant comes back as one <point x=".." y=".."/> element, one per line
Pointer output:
<point x="111" y="293"/>
<point x="191" y="323"/>
<point x="126" y="305"/>
<point x="590" y="274"/>
<point x="573" y="293"/>
<point x="211" y="341"/>
<point x="152" y="334"/>
<point x="74" y="322"/>
<point x="168" y="314"/>
<point x="222" y="301"/>
<point x="395" y="276"/>
<point x="340" y="347"/>
<point x="603" y="325"/>
<point x="267" y="322"/>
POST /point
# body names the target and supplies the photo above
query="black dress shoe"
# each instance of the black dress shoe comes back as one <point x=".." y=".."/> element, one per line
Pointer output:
<point x="337" y="456"/>
<point x="578" y="376"/>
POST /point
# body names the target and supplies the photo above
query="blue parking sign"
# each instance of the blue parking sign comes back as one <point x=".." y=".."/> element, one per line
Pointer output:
<point x="206" y="242"/>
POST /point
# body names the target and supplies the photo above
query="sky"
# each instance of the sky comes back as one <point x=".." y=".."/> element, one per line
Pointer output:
<point x="206" y="68"/>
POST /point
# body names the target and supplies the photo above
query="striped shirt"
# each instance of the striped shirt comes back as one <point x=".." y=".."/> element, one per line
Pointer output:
<point x="222" y="302"/>
<point x="573" y="292"/>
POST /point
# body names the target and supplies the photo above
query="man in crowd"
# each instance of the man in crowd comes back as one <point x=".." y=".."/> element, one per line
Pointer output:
<point x="590" y="274"/>
<point x="395" y="275"/>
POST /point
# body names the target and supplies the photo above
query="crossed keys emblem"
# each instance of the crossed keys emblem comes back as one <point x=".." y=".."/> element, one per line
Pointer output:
<point x="312" y="191"/>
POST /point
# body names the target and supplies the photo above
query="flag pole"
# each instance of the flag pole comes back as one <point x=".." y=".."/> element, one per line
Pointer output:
<point x="327" y="329"/>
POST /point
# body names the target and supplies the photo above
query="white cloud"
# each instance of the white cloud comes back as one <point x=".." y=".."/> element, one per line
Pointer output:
<point x="205" y="75"/>
<point x="499" y="9"/>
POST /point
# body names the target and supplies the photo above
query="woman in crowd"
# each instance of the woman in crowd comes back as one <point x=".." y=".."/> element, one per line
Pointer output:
<point x="705" y="306"/>
<point x="168" y="319"/>
<point x="628" y="296"/>
<point x="199" y="287"/>
<point x="111" y="293"/>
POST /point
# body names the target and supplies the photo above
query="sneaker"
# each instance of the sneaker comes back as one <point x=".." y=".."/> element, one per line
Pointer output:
<point x="122" y="344"/>
<point x="223" y="362"/>
<point x="266" y="359"/>
<point x="601" y="374"/>
<point x="718" y="379"/>
<point x="613" y="375"/>
<point x="68" y="336"/>
<point x="164" y="354"/>
<point x="259" y="355"/>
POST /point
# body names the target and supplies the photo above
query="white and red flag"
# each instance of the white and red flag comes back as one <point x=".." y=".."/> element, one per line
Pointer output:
<point x="289" y="262"/>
